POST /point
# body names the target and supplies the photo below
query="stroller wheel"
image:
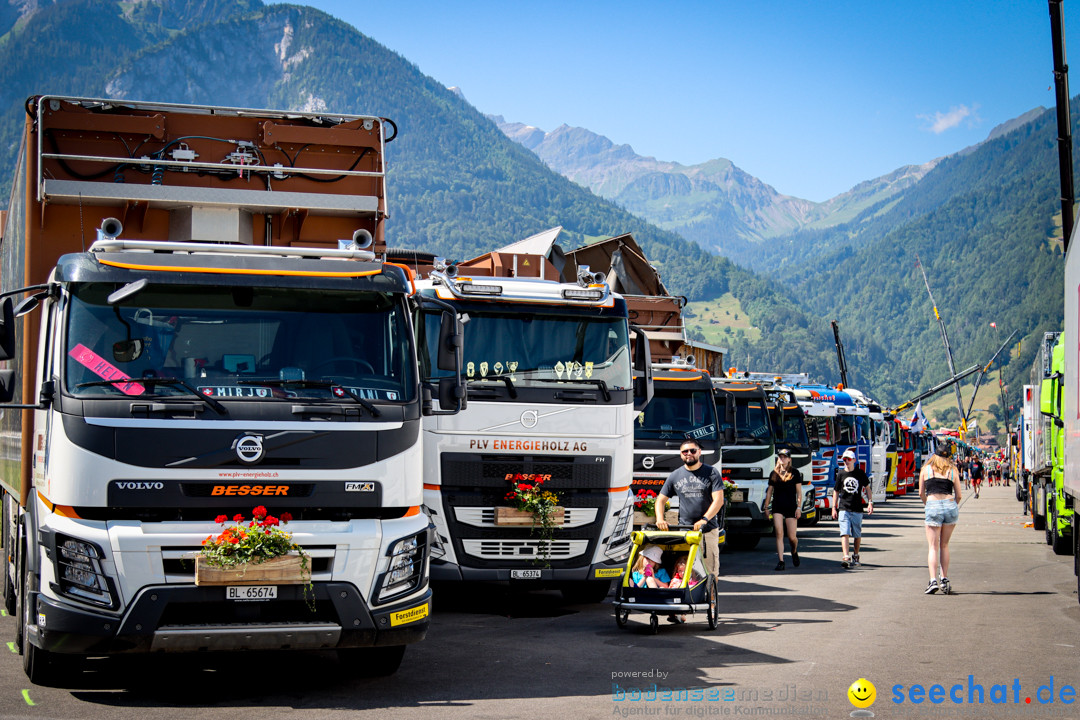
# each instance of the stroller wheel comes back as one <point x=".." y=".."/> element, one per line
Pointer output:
<point x="621" y="615"/>
<point x="712" y="613"/>
<point x="654" y="624"/>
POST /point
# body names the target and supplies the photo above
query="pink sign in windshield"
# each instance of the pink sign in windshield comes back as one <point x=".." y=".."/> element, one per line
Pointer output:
<point x="104" y="369"/>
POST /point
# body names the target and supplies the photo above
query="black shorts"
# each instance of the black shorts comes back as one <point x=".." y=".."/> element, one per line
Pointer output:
<point x="785" y="509"/>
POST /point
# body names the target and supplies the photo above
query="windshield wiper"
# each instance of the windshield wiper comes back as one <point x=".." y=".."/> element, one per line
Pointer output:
<point x="160" y="381"/>
<point x="375" y="412"/>
<point x="598" y="383"/>
<point x="504" y="378"/>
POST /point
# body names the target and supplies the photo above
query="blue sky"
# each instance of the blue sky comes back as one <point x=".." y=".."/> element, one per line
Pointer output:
<point x="811" y="97"/>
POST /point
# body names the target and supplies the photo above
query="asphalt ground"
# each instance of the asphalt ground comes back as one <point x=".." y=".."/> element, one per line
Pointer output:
<point x="789" y="644"/>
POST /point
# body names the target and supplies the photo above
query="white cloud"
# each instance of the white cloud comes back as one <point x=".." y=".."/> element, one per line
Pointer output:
<point x="939" y="122"/>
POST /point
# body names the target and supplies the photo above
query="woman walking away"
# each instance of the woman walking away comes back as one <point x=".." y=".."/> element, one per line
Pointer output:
<point x="785" y="492"/>
<point x="939" y="489"/>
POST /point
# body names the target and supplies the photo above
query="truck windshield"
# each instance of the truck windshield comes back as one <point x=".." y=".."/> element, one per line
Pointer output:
<point x="678" y="415"/>
<point x="243" y="343"/>
<point x="823" y="429"/>
<point x="752" y="426"/>
<point x="535" y="349"/>
<point x="795" y="429"/>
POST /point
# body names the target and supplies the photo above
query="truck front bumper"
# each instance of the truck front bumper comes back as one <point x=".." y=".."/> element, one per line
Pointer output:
<point x="186" y="618"/>
<point x="449" y="572"/>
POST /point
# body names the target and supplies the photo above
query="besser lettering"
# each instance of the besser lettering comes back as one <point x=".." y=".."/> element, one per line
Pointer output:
<point x="264" y="490"/>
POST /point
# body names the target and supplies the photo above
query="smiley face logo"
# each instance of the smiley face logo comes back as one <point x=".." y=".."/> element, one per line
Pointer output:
<point x="862" y="693"/>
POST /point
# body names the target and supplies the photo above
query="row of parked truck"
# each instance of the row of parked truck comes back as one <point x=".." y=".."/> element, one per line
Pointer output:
<point x="200" y="314"/>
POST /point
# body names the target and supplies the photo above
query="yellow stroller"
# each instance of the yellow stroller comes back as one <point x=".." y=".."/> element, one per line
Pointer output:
<point x="694" y="593"/>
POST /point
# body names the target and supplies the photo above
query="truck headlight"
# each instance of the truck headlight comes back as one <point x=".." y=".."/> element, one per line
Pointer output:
<point x="406" y="571"/>
<point x="79" y="571"/>
<point x="619" y="546"/>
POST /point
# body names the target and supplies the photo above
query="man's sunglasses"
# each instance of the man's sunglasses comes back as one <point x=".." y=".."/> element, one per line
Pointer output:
<point x="689" y="452"/>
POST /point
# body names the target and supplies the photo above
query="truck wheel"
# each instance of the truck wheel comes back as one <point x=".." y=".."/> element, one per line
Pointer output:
<point x="586" y="592"/>
<point x="1049" y="518"/>
<point x="373" y="662"/>
<point x="1038" y="509"/>
<point x="8" y="566"/>
<point x="1061" y="543"/>
<point x="41" y="666"/>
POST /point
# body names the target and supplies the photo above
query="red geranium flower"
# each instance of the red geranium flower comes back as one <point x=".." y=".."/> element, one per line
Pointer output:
<point x="237" y="517"/>
<point x="221" y="519"/>
<point x="286" y="517"/>
<point x="270" y="521"/>
<point x="259" y="512"/>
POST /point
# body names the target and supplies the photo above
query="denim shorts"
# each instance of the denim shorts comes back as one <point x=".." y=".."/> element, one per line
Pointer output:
<point x="850" y="523"/>
<point x="941" y="512"/>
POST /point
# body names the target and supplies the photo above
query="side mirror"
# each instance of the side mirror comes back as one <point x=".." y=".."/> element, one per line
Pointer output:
<point x="452" y="393"/>
<point x="450" y="343"/>
<point x="7" y="330"/>
<point x="643" y="386"/>
<point x="7" y="385"/>
<point x="729" y="436"/>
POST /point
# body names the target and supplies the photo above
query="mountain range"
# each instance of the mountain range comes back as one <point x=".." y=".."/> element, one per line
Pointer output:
<point x="460" y="187"/>
<point x="715" y="203"/>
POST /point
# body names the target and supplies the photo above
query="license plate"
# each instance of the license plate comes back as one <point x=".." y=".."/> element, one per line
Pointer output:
<point x="738" y="496"/>
<point x="525" y="574"/>
<point x="251" y="592"/>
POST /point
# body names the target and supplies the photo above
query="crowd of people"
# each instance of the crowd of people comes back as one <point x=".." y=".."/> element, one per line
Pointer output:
<point x="942" y="482"/>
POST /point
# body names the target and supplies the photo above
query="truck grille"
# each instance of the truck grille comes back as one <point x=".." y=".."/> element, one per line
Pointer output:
<point x="524" y="549"/>
<point x="474" y="484"/>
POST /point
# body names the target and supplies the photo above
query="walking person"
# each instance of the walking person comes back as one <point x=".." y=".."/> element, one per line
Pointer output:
<point x="939" y="490"/>
<point x="848" y="504"/>
<point x="785" y="494"/>
<point x="701" y="500"/>
<point x="976" y="475"/>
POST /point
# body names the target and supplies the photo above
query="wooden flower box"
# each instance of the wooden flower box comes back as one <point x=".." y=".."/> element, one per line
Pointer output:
<point x="640" y="518"/>
<point x="505" y="516"/>
<point x="282" y="570"/>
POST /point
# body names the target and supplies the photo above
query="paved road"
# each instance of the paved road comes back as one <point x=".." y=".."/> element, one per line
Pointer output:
<point x="789" y="644"/>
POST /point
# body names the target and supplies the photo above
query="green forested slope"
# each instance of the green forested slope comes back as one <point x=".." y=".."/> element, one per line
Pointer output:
<point x="459" y="187"/>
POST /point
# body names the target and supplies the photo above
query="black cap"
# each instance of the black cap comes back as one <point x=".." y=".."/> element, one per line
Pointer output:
<point x="783" y="451"/>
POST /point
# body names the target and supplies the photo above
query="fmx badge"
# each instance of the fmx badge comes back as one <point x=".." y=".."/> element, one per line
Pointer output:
<point x="359" y="487"/>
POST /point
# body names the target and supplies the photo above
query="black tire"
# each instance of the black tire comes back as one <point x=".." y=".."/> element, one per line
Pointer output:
<point x="373" y="662"/>
<point x="622" y="615"/>
<point x="1049" y="511"/>
<point x="10" y="596"/>
<point x="712" y="613"/>
<point x="1038" y="521"/>
<point x="41" y="666"/>
<point x="586" y="592"/>
<point x="654" y="624"/>
<point x="1061" y="544"/>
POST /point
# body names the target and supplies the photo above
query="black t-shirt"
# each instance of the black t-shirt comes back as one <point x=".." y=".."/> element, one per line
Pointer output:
<point x="784" y="493"/>
<point x="694" y="489"/>
<point x="976" y="470"/>
<point x="849" y="485"/>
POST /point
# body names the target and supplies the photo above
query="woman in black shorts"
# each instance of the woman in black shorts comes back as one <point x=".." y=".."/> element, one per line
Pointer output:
<point x="785" y="494"/>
